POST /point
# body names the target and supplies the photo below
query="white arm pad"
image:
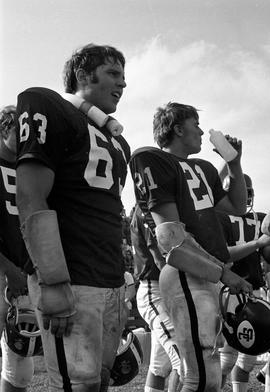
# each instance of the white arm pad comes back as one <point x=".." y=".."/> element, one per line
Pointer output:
<point x="94" y="113"/>
<point x="266" y="224"/>
<point x="41" y="235"/>
<point x="186" y="254"/>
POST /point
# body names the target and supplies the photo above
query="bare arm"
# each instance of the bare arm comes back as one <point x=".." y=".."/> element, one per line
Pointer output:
<point x="235" y="201"/>
<point x="157" y="256"/>
<point x="34" y="183"/>
<point x="238" y="252"/>
<point x="16" y="279"/>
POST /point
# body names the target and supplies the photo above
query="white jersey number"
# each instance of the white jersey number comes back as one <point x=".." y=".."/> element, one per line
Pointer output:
<point x="24" y="127"/>
<point x="240" y="223"/>
<point x="206" y="200"/>
<point x="149" y="179"/>
<point x="7" y="175"/>
<point x="98" y="172"/>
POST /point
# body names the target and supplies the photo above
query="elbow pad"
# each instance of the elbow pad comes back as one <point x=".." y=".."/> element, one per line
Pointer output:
<point x="169" y="235"/>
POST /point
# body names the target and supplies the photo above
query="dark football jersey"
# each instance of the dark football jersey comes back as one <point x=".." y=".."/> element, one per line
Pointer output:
<point x="239" y="230"/>
<point x="11" y="242"/>
<point x="142" y="239"/>
<point x="90" y="168"/>
<point x="192" y="184"/>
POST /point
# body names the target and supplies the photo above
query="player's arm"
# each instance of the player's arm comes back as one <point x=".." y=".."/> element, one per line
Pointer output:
<point x="185" y="254"/>
<point x="16" y="279"/>
<point x="41" y="235"/>
<point x="238" y="252"/>
<point x="235" y="202"/>
<point x="157" y="256"/>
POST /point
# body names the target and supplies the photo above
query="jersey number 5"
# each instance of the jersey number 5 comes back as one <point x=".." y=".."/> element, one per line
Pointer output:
<point x="7" y="175"/>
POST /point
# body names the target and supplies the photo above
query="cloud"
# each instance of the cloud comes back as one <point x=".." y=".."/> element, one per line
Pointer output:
<point x="229" y="86"/>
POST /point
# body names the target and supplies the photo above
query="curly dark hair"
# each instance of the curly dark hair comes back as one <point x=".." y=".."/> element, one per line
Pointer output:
<point x="7" y="117"/>
<point x="88" y="58"/>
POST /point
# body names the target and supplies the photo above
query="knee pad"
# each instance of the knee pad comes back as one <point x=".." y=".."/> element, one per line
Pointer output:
<point x="228" y="357"/>
<point x="246" y="362"/>
<point x="164" y="330"/>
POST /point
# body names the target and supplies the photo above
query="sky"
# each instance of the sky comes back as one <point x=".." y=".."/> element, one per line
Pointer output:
<point x="212" y="54"/>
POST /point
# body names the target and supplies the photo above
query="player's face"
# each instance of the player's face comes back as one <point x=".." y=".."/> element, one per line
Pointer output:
<point x="191" y="136"/>
<point x="107" y="88"/>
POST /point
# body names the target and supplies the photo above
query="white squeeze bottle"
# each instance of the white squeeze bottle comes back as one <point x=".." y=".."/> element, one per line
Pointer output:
<point x="222" y="145"/>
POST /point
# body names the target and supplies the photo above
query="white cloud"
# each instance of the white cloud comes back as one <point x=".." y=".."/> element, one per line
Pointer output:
<point x="231" y="87"/>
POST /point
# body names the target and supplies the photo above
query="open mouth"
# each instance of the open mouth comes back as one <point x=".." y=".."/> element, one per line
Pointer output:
<point x="116" y="95"/>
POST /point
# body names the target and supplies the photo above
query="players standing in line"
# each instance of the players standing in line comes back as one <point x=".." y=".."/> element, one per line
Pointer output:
<point x="246" y="244"/>
<point x="181" y="194"/>
<point x="17" y="371"/>
<point x="71" y="168"/>
<point x="165" y="357"/>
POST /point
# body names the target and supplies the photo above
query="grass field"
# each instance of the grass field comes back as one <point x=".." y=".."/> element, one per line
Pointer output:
<point x="40" y="382"/>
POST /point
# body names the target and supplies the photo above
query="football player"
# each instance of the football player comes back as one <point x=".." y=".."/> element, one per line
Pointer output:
<point x="181" y="194"/>
<point x="165" y="357"/>
<point x="17" y="371"/>
<point x="71" y="169"/>
<point x="246" y="245"/>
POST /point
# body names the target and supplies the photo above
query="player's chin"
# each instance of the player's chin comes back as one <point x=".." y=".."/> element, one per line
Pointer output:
<point x="196" y="150"/>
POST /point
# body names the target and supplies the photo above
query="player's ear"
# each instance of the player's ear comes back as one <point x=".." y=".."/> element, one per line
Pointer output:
<point x="81" y="76"/>
<point x="177" y="129"/>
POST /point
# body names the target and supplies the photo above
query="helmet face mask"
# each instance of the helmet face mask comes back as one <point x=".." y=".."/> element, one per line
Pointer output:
<point x="128" y="359"/>
<point x="22" y="333"/>
<point x="250" y="191"/>
<point x="247" y="329"/>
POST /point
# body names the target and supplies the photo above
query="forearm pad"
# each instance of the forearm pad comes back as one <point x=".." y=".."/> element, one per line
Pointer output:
<point x="185" y="254"/>
<point x="41" y="235"/>
<point x="190" y="257"/>
<point x="266" y="224"/>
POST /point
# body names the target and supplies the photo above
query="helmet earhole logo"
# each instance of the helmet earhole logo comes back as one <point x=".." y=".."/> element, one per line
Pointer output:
<point x="246" y="334"/>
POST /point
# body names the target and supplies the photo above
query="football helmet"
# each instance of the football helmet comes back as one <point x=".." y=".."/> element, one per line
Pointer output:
<point x="250" y="191"/>
<point x="22" y="332"/>
<point x="128" y="359"/>
<point x="248" y="328"/>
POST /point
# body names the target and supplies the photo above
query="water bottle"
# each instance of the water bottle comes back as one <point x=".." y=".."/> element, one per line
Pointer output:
<point x="222" y="145"/>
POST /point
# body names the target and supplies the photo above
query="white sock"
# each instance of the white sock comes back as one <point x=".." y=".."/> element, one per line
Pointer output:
<point x="239" y="386"/>
<point x="150" y="389"/>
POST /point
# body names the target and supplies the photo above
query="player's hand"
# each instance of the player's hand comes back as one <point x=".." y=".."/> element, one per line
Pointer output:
<point x="57" y="305"/>
<point x="16" y="283"/>
<point x="263" y="240"/>
<point x="235" y="283"/>
<point x="236" y="144"/>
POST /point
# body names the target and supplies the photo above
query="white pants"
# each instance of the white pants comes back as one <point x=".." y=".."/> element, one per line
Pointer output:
<point x="164" y="351"/>
<point x="79" y="359"/>
<point x="194" y="310"/>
